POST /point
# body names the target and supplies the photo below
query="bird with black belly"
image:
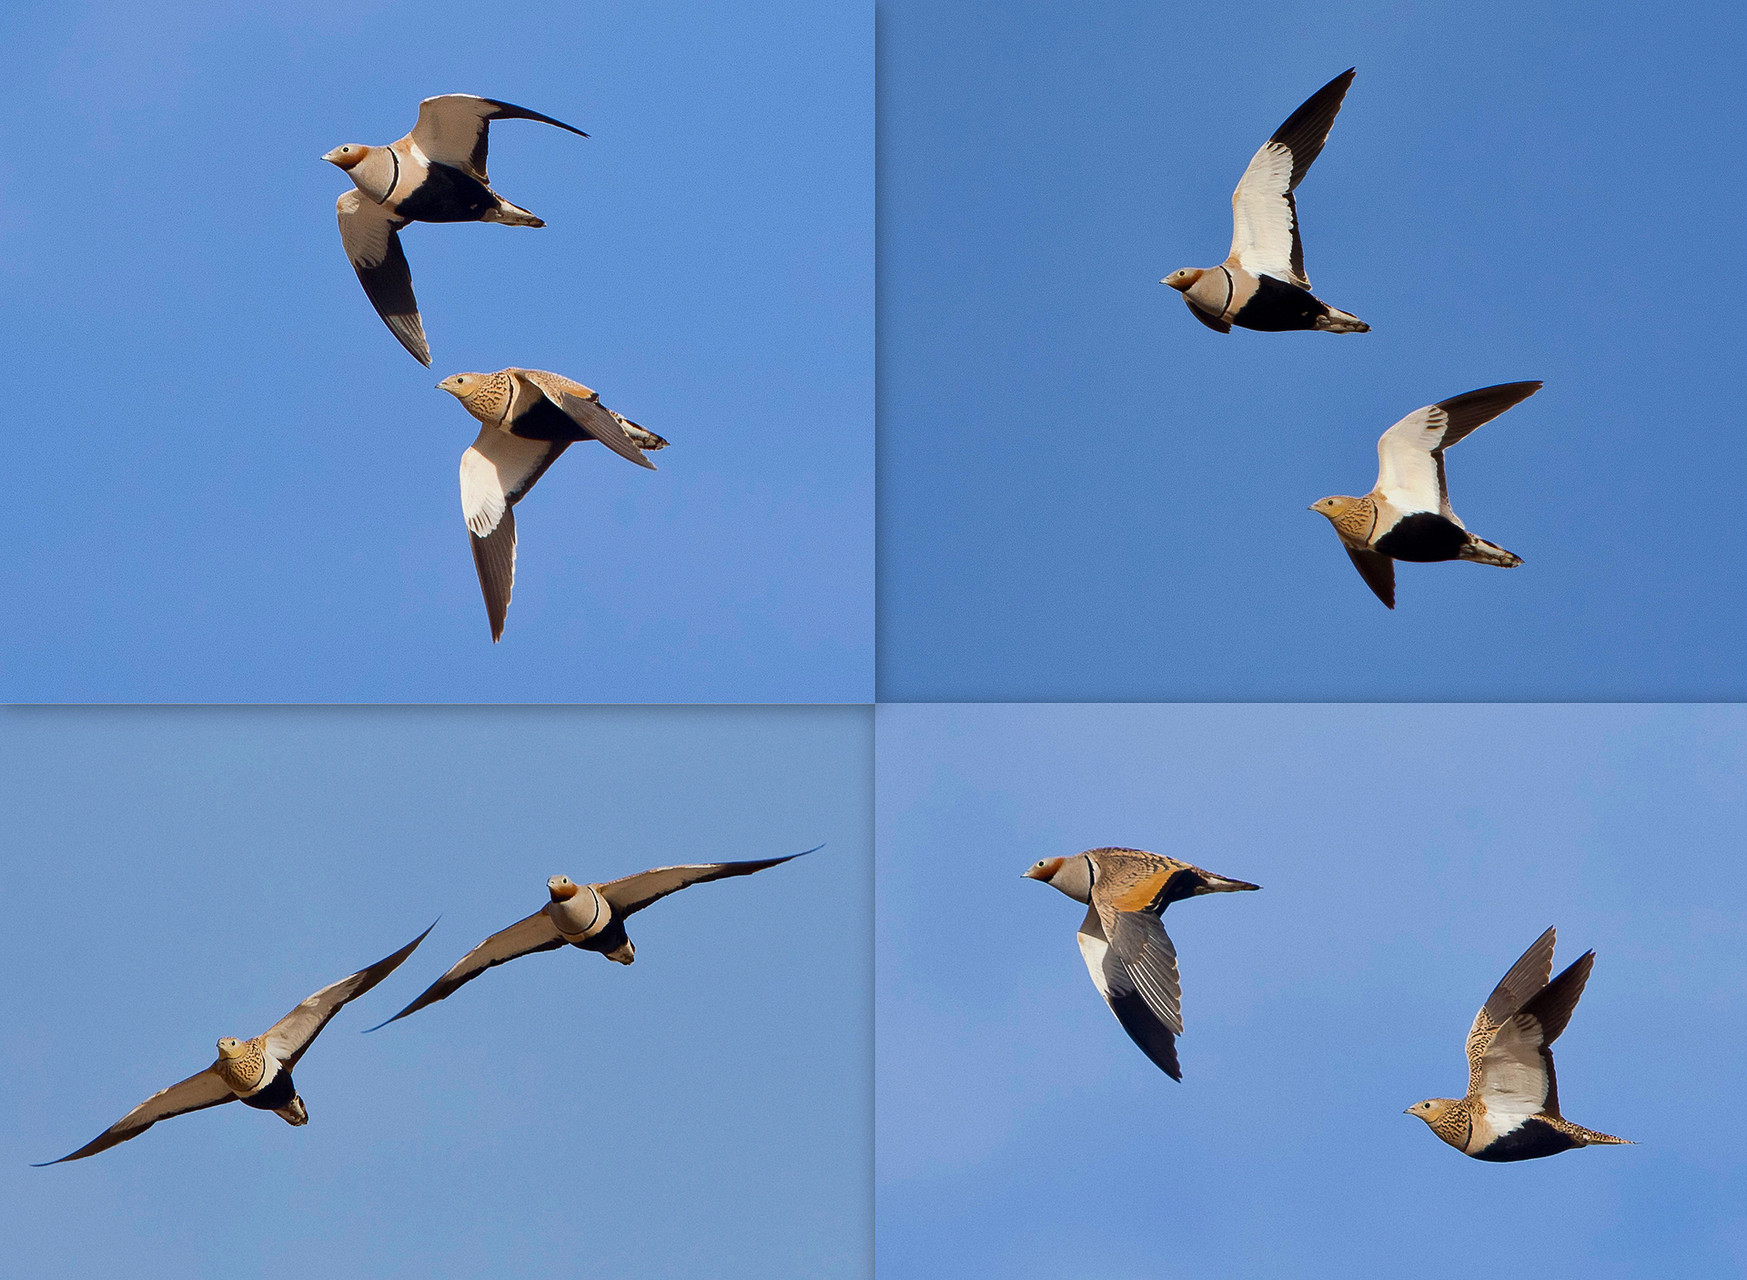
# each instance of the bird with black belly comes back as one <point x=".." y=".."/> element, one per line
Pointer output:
<point x="1511" y="1109"/>
<point x="527" y="417"/>
<point x="255" y="1072"/>
<point x="1123" y="940"/>
<point x="1408" y="516"/>
<point x="1262" y="284"/>
<point x="434" y="174"/>
<point x="590" y="917"/>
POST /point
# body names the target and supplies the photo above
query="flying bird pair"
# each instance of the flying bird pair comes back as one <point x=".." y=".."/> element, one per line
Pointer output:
<point x="1511" y="1110"/>
<point x="257" y="1072"/>
<point x="437" y="173"/>
<point x="1262" y="285"/>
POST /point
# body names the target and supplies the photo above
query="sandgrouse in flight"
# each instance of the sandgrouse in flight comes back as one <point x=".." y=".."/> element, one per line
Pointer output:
<point x="1408" y="515"/>
<point x="528" y="417"/>
<point x="1511" y="1111"/>
<point x="1123" y="941"/>
<point x="255" y="1072"/>
<point x="434" y="174"/>
<point x="1262" y="284"/>
<point x="589" y="916"/>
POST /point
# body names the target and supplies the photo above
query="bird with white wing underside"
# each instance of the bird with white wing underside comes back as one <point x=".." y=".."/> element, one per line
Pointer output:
<point x="1262" y="284"/>
<point x="1123" y="941"/>
<point x="434" y="174"/>
<point x="1408" y="516"/>
<point x="1511" y="1109"/>
<point x="528" y="417"/>
<point x="255" y="1072"/>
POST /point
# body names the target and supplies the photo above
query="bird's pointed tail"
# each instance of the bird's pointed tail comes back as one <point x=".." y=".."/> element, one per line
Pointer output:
<point x="1480" y="551"/>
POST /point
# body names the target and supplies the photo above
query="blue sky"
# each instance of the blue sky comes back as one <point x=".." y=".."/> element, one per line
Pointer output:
<point x="232" y="484"/>
<point x="1407" y="856"/>
<point x="1086" y="495"/>
<point x="176" y="876"/>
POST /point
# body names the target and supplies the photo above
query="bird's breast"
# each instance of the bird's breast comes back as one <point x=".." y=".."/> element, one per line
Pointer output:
<point x="249" y="1072"/>
<point x="581" y="916"/>
<point x="274" y="1092"/>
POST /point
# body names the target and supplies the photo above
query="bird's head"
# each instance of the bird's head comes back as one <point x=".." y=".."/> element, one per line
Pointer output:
<point x="1334" y="508"/>
<point x="347" y="156"/>
<point x="230" y="1047"/>
<point x="461" y="385"/>
<point x="1184" y="280"/>
<point x="1431" y="1110"/>
<point x="562" y="888"/>
<point x="1073" y="876"/>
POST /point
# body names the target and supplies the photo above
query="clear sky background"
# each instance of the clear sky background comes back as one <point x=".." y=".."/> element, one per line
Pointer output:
<point x="1087" y="495"/>
<point x="230" y="483"/>
<point x="1407" y="857"/>
<point x="177" y="876"/>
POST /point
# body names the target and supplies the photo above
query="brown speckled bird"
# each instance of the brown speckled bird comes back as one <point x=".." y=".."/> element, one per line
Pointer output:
<point x="1407" y="516"/>
<point x="1123" y="940"/>
<point x="529" y="417"/>
<point x="434" y="174"/>
<point x="589" y="916"/>
<point x="255" y="1072"/>
<point x="1511" y="1111"/>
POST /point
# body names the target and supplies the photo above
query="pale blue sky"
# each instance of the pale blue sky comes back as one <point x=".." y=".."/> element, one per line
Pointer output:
<point x="1407" y="856"/>
<point x="231" y="484"/>
<point x="1087" y="495"/>
<point x="176" y="876"/>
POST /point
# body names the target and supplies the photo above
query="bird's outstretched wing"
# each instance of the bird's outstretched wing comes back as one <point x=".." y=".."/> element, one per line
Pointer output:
<point x="524" y="937"/>
<point x="199" y="1091"/>
<point x="1378" y="571"/>
<point x="1410" y="455"/>
<point x="1264" y="216"/>
<point x="452" y="129"/>
<point x="1134" y="967"/>
<point x="496" y="471"/>
<point x="371" y="238"/>
<point x="581" y="406"/>
<point x="631" y="894"/>
<point x="288" y="1038"/>
<point x="1516" y="1070"/>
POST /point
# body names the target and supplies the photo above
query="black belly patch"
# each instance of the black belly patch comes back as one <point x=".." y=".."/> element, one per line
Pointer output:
<point x="546" y="421"/>
<point x="1425" y="537"/>
<point x="447" y="195"/>
<point x="278" y="1093"/>
<point x="1277" y="306"/>
<point x="1530" y="1140"/>
<point x="608" y="939"/>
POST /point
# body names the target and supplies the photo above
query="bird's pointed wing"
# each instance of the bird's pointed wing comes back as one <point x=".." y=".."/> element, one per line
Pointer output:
<point x="524" y="937"/>
<point x="1410" y="455"/>
<point x="583" y="407"/>
<point x="1527" y="976"/>
<point x="1134" y="967"/>
<point x="288" y="1038"/>
<point x="452" y="129"/>
<point x="371" y="238"/>
<point x="496" y="471"/>
<point x="630" y="894"/>
<point x="1378" y="571"/>
<point x="1218" y="326"/>
<point x="198" y="1091"/>
<point x="1514" y="1074"/>
<point x="1264" y="216"/>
